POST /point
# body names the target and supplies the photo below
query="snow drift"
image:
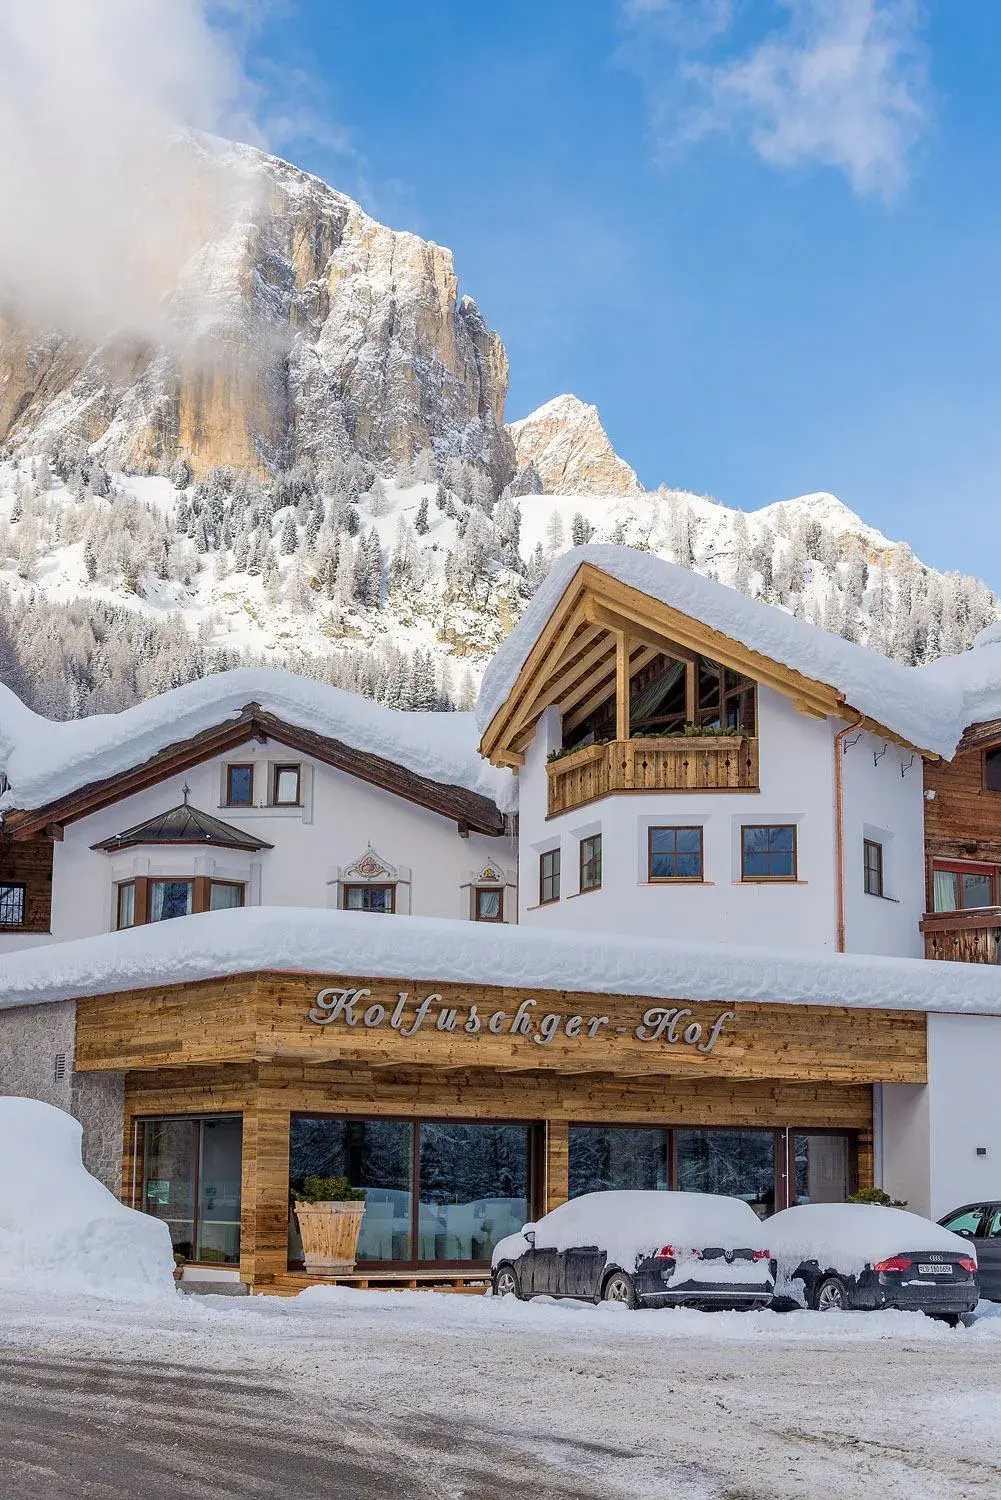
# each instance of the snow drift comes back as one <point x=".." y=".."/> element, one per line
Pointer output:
<point x="59" y="1226"/>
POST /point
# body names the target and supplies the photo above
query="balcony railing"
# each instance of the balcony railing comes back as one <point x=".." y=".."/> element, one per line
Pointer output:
<point x="696" y="763"/>
<point x="964" y="937"/>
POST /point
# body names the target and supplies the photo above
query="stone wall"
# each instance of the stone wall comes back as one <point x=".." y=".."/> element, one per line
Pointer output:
<point x="33" y="1038"/>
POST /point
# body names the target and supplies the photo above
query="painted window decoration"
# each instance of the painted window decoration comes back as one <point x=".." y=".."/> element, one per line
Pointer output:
<point x="872" y="865"/>
<point x="768" y="851"/>
<point x="436" y="1192"/>
<point x="674" y="853"/>
<point x="549" y="877"/>
<point x="239" y="786"/>
<point x="12" y="902"/>
<point x="381" y="898"/>
<point x="992" y="769"/>
<point x="286" y="786"/>
<point x="191" y="1180"/>
<point x="963" y="887"/>
<point x="590" y="862"/>
<point x="488" y="903"/>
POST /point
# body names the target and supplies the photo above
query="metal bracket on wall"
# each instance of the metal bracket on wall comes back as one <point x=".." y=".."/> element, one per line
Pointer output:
<point x="847" y="744"/>
<point x="904" y="769"/>
<point x="877" y="755"/>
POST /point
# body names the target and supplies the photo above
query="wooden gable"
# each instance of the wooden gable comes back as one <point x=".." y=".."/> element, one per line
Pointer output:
<point x="601" y="634"/>
<point x="469" y="809"/>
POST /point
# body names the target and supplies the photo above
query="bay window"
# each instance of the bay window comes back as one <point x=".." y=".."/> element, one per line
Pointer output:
<point x="159" y="899"/>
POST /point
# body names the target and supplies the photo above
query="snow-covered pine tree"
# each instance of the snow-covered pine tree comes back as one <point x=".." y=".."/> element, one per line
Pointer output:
<point x="581" y="530"/>
<point x="422" y="525"/>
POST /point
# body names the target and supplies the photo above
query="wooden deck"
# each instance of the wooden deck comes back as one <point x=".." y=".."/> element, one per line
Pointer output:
<point x="291" y="1283"/>
<point x="714" y="763"/>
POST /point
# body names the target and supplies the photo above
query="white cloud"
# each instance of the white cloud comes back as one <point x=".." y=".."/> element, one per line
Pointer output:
<point x="843" y="83"/>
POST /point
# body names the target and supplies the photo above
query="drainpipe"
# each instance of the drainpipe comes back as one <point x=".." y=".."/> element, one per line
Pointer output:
<point x="839" y="825"/>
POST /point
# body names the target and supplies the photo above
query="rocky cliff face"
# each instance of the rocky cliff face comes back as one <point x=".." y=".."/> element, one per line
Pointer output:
<point x="293" y="326"/>
<point x="566" y="445"/>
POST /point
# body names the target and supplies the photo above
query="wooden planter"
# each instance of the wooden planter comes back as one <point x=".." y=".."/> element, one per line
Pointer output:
<point x="329" y="1233"/>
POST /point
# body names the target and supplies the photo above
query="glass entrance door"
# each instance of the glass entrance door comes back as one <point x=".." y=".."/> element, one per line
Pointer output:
<point x="191" y="1179"/>
<point x="819" y="1168"/>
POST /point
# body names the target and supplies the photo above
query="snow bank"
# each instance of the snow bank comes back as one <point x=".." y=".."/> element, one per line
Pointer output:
<point x="925" y="710"/>
<point x="849" y="1236"/>
<point x="314" y="941"/>
<point x="59" y="1226"/>
<point x="45" y="760"/>
<point x="630" y="1226"/>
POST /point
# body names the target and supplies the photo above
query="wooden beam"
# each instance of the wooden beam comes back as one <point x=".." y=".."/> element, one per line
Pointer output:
<point x="622" y="679"/>
<point x="610" y="620"/>
<point x="603" y="686"/>
<point x="691" y="692"/>
<point x="563" y="666"/>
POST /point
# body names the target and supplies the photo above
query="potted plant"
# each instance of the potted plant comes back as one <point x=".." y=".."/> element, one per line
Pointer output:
<point x="178" y="1265"/>
<point x="329" y="1212"/>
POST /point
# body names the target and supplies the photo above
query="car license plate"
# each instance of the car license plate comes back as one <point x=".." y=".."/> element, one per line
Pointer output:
<point x="944" y="1270"/>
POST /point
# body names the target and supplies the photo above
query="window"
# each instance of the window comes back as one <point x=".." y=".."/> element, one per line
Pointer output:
<point x="12" y="905"/>
<point x="286" y="786"/>
<point x="674" y="854"/>
<point x="872" y="866"/>
<point x="967" y="1223"/>
<point x="170" y="898"/>
<point x="488" y="903"/>
<point x="191" y="1180"/>
<point x="239" y="786"/>
<point x="736" y="1163"/>
<point x="549" y="876"/>
<point x="435" y="1191"/>
<point x="992" y="769"/>
<point x="224" y="894"/>
<point x="126" y="913"/>
<point x="604" y="1157"/>
<point x="960" y="887"/>
<point x="590" y="862"/>
<point x="768" y="852"/>
<point x="370" y="898"/>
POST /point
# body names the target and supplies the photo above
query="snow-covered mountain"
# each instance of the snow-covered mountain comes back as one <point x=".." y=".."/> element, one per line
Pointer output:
<point x="564" y="444"/>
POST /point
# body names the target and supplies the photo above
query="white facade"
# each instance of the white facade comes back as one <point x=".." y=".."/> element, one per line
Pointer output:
<point x="316" y="847"/>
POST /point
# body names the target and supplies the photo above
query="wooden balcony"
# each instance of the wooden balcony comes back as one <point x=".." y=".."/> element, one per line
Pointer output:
<point x="963" y="937"/>
<point x="696" y="763"/>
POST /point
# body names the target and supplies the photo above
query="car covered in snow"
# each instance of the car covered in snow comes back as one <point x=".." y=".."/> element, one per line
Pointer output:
<point x="643" y="1249"/>
<point x="864" y="1256"/>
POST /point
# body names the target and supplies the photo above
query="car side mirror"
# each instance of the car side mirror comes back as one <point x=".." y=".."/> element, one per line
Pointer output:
<point x="528" y="1233"/>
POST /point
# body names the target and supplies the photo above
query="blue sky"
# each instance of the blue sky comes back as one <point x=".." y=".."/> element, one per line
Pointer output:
<point x="761" y="237"/>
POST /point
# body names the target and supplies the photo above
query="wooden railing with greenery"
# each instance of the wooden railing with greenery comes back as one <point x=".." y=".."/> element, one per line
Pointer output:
<point x="672" y="763"/>
<point x="963" y="937"/>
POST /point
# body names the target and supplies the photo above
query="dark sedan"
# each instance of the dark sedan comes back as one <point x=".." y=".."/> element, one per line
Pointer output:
<point x="980" y="1223"/>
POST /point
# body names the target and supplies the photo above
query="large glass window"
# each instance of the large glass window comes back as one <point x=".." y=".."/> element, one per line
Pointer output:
<point x="739" y="1163"/>
<point x="374" y="1155"/>
<point x="820" y="1168"/>
<point x="435" y="1191"/>
<point x="474" y="1188"/>
<point x="191" y="1180"/>
<point x="958" y="887"/>
<point x="610" y="1156"/>
<point x="170" y="898"/>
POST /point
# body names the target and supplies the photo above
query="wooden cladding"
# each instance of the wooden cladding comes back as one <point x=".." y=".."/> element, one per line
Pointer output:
<point x="27" y="865"/>
<point x="965" y="937"/>
<point x="266" y="1018"/>
<point x="266" y="1095"/>
<point x="684" y="763"/>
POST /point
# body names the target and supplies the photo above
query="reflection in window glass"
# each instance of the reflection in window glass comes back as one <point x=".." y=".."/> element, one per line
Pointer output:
<point x="224" y="894"/>
<point x="374" y="1155"/>
<point x="821" y="1163"/>
<point x="603" y="1157"/>
<point x="191" y="1180"/>
<point x="218" y="1222"/>
<point x="978" y="890"/>
<point x="370" y="898"/>
<point x="768" y="852"/>
<point x="169" y="898"/>
<point x="968" y="1222"/>
<point x="169" y="1156"/>
<point x="474" y="1188"/>
<point x="675" y="853"/>
<point x="739" y="1163"/>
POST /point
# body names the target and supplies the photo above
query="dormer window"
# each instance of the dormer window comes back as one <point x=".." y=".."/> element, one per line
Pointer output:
<point x="240" y="786"/>
<point x="285" y="787"/>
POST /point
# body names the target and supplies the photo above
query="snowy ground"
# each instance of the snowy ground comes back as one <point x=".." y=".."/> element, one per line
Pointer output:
<point x="419" y="1396"/>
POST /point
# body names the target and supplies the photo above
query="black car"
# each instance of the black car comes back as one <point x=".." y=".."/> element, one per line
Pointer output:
<point x="862" y="1256"/>
<point x="980" y="1223"/>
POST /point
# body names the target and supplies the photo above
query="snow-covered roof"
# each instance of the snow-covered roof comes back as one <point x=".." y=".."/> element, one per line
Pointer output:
<point x="927" y="710"/>
<point x="314" y="940"/>
<point x="975" y="674"/>
<point x="45" y="759"/>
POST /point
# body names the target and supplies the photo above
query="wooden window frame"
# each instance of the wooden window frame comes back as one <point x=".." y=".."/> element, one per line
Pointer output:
<point x="124" y="885"/>
<point x="770" y="879"/>
<point x="967" y="867"/>
<point x="276" y="772"/>
<point x="493" y="890"/>
<point x="200" y="895"/>
<point x="991" y="791"/>
<point x="593" y="885"/>
<point x="239" y="766"/>
<point x="203" y="893"/>
<point x="21" y="923"/>
<point x="676" y="828"/>
<point x="369" y="885"/>
<point x="553" y="878"/>
<point x="868" y="868"/>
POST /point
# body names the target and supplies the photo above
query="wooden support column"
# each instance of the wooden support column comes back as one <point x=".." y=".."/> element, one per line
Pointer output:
<point x="264" y="1212"/>
<point x="690" y="698"/>
<point x="621" y="686"/>
<point x="557" y="1163"/>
